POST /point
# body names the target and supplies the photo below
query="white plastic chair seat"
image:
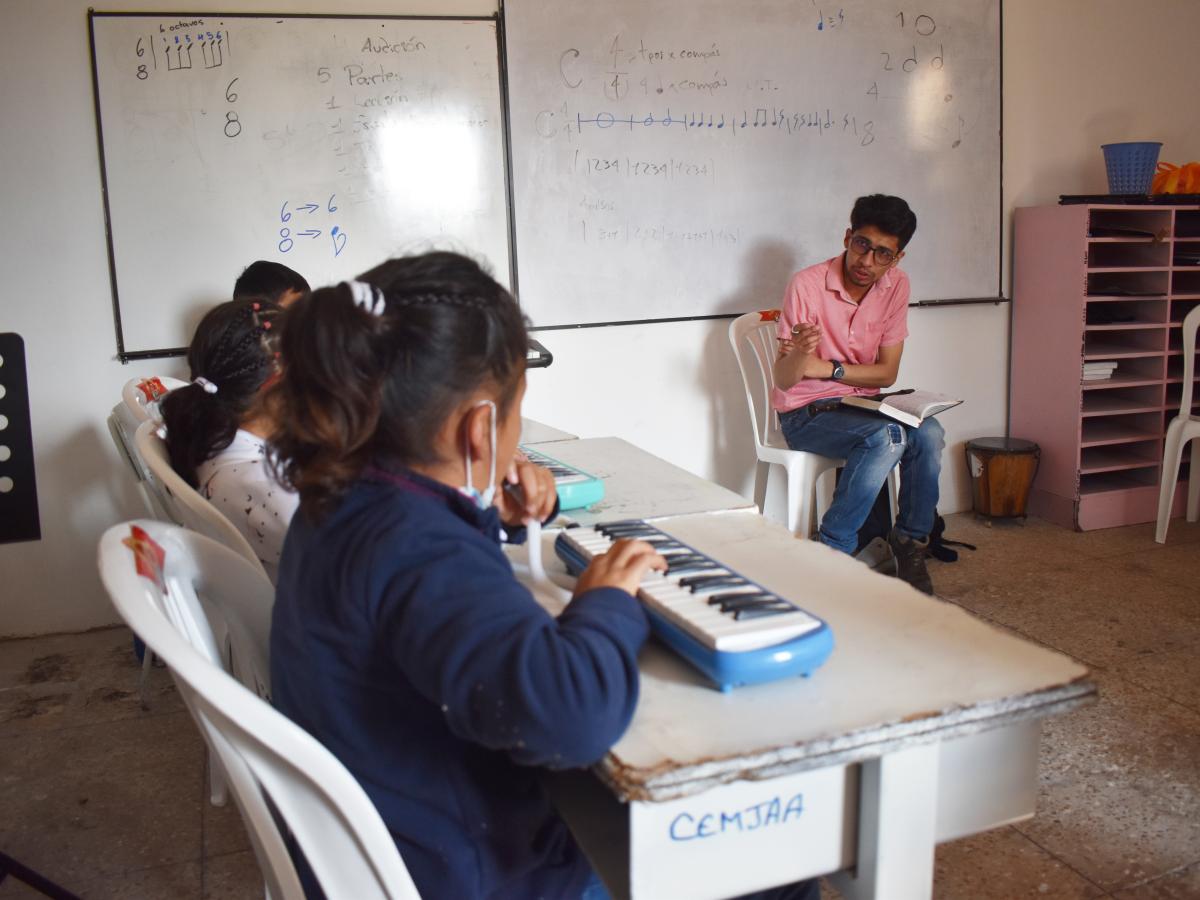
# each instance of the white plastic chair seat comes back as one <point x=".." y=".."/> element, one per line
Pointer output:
<point x="1183" y="428"/>
<point x="157" y="574"/>
<point x="753" y="338"/>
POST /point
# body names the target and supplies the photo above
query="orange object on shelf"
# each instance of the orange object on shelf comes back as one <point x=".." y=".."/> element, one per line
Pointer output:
<point x="1172" y="179"/>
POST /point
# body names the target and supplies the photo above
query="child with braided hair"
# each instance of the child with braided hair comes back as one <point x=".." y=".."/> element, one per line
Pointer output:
<point x="217" y="425"/>
<point x="400" y="637"/>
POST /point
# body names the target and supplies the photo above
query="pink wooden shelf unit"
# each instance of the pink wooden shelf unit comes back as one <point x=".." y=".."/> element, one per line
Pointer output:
<point x="1101" y="284"/>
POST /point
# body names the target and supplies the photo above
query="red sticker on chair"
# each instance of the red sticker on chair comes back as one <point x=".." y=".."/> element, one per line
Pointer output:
<point x="151" y="389"/>
<point x="148" y="556"/>
<point x="768" y="315"/>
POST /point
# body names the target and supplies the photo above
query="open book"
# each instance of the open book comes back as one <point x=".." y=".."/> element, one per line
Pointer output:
<point x="910" y="407"/>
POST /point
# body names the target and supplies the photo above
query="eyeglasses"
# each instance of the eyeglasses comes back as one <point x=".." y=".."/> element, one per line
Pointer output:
<point x="883" y="255"/>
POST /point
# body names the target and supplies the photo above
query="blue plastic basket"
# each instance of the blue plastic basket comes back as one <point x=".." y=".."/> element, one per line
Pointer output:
<point x="1131" y="166"/>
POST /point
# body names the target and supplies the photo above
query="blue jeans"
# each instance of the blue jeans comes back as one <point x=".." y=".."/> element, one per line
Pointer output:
<point x="871" y="445"/>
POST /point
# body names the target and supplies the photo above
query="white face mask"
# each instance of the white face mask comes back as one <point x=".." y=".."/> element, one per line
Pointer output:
<point x="482" y="499"/>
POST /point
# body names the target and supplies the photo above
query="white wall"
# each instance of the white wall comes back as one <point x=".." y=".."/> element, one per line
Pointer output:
<point x="1081" y="73"/>
<point x="1125" y="73"/>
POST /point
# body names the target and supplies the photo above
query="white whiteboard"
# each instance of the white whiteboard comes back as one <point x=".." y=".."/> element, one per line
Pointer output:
<point x="681" y="158"/>
<point x="327" y="144"/>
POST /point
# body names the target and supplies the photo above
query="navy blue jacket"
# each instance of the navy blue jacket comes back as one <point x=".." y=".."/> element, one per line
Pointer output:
<point x="402" y="641"/>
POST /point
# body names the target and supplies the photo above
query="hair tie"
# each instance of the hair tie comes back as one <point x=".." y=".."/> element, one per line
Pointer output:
<point x="366" y="296"/>
<point x="209" y="387"/>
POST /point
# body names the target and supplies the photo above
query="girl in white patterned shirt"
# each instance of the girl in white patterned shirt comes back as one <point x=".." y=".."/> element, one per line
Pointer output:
<point x="217" y="426"/>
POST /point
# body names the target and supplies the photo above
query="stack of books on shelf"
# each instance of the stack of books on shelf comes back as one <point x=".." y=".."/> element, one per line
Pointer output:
<point x="1098" y="371"/>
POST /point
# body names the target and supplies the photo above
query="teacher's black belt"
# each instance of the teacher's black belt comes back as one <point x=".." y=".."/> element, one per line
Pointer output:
<point x="820" y="406"/>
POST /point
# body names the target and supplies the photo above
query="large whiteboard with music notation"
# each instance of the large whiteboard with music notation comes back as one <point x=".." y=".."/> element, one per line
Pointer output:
<point x="680" y="158"/>
<point x="327" y="144"/>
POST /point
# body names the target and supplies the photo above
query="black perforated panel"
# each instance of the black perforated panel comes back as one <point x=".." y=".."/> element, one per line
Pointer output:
<point x="19" y="519"/>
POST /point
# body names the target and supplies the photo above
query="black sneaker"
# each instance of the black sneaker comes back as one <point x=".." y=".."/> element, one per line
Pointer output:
<point x="910" y="561"/>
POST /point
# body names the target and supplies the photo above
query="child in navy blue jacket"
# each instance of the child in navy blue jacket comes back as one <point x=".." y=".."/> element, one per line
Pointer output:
<point x="400" y="638"/>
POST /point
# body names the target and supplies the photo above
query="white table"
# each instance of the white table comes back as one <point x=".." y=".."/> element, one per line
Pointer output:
<point x="536" y="433"/>
<point x="640" y="485"/>
<point x="922" y="727"/>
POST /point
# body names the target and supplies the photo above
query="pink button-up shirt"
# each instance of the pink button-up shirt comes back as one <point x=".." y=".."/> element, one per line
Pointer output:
<point x="850" y="332"/>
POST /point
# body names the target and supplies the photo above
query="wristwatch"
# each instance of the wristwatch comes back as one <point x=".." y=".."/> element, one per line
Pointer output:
<point x="839" y="371"/>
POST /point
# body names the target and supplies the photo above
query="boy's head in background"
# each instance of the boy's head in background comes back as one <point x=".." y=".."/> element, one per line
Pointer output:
<point x="271" y="280"/>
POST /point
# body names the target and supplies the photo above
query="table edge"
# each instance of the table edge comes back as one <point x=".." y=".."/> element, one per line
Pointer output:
<point x="672" y="782"/>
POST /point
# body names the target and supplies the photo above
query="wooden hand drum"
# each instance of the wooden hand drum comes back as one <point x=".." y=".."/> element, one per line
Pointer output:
<point x="1002" y="471"/>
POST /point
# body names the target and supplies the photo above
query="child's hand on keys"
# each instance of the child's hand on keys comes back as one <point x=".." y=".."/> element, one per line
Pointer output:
<point x="529" y="493"/>
<point x="623" y="566"/>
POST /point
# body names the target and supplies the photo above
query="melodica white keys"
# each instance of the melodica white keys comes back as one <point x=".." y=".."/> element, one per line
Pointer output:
<point x="729" y="627"/>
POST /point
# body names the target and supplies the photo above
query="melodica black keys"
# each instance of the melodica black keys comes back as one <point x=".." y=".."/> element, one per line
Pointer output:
<point x="733" y="630"/>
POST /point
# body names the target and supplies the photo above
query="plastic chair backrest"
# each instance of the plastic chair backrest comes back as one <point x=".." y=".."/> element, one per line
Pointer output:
<point x="1191" y="322"/>
<point x="753" y="337"/>
<point x="145" y="566"/>
<point x="184" y="503"/>
<point x="139" y="402"/>
<point x="121" y="430"/>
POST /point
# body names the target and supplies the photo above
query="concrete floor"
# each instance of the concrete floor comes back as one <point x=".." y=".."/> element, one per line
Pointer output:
<point x="109" y="799"/>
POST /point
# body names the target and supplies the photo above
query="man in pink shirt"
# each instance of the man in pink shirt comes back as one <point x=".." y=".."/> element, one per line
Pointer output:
<point x="841" y="332"/>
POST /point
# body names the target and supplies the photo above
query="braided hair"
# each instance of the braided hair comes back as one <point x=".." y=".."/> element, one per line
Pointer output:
<point x="374" y="369"/>
<point x="231" y="356"/>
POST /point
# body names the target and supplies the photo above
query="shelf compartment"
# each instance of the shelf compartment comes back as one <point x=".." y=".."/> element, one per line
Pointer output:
<point x="1131" y="373"/>
<point x="1181" y="307"/>
<point x="1175" y="369"/>
<point x="1117" y="315"/>
<point x="1118" y="481"/>
<point x="1130" y="224"/>
<point x="1175" y="343"/>
<point x="1120" y="255"/>
<point x="1094" y="460"/>
<point x="1175" y="395"/>
<point x="1119" y="345"/>
<point x="1122" y="401"/>
<point x="1187" y="223"/>
<point x="1149" y="283"/>
<point x="1186" y="254"/>
<point x="1185" y="282"/>
<point x="1107" y="431"/>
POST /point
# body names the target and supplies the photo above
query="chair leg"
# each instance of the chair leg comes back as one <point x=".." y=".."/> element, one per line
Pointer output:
<point x="218" y="781"/>
<point x="799" y="502"/>
<point x="762" y="474"/>
<point x="1193" y="497"/>
<point x="144" y="677"/>
<point x="1172" y="451"/>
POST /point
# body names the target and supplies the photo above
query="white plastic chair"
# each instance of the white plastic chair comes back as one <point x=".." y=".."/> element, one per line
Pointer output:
<point x="753" y="338"/>
<point x="270" y="761"/>
<point x="1183" y="428"/>
<point x="139" y="403"/>
<point x="184" y="503"/>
